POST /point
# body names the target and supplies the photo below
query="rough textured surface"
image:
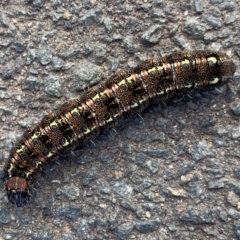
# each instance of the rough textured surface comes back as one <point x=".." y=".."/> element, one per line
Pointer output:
<point x="171" y="173"/>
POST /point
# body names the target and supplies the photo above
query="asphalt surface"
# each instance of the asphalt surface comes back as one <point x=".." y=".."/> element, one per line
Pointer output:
<point x="170" y="173"/>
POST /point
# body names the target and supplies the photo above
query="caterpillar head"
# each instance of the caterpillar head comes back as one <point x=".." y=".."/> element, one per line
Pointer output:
<point x="18" y="190"/>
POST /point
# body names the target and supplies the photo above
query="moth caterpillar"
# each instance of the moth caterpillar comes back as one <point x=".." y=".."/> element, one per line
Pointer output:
<point x="105" y="105"/>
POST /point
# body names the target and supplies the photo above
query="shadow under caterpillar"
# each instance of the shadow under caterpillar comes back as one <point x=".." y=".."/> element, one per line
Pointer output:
<point x="105" y="105"/>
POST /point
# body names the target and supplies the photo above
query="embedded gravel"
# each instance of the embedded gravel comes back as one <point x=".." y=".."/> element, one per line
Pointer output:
<point x="171" y="173"/>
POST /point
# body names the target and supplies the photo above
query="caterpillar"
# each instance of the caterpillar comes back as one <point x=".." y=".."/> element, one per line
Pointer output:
<point x="104" y="106"/>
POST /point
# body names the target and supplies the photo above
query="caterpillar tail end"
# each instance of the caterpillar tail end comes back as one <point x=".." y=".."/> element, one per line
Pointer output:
<point x="228" y="68"/>
<point x="18" y="191"/>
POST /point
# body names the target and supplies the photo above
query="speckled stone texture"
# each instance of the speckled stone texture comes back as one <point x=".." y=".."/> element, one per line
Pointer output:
<point x="171" y="173"/>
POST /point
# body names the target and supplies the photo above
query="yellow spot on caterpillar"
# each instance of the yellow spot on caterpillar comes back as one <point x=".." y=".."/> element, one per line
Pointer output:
<point x="160" y="93"/>
<point x="35" y="135"/>
<point x="96" y="97"/>
<point x="154" y="69"/>
<point x="214" y="81"/>
<point x="109" y="120"/>
<point x="130" y="79"/>
<point x="81" y="108"/>
<point x="74" y="111"/>
<point x="212" y="59"/>
<point x="28" y="174"/>
<point x="116" y="116"/>
<point x="185" y="62"/>
<point x="54" y="123"/>
<point x="87" y="131"/>
<point x="66" y="143"/>
<point x="11" y="168"/>
<point x="21" y="149"/>
<point x="144" y="99"/>
<point x="124" y="81"/>
<point x="50" y="154"/>
<point x="135" y="105"/>
<point x="38" y="164"/>
<point x="169" y="89"/>
<point x="187" y="85"/>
